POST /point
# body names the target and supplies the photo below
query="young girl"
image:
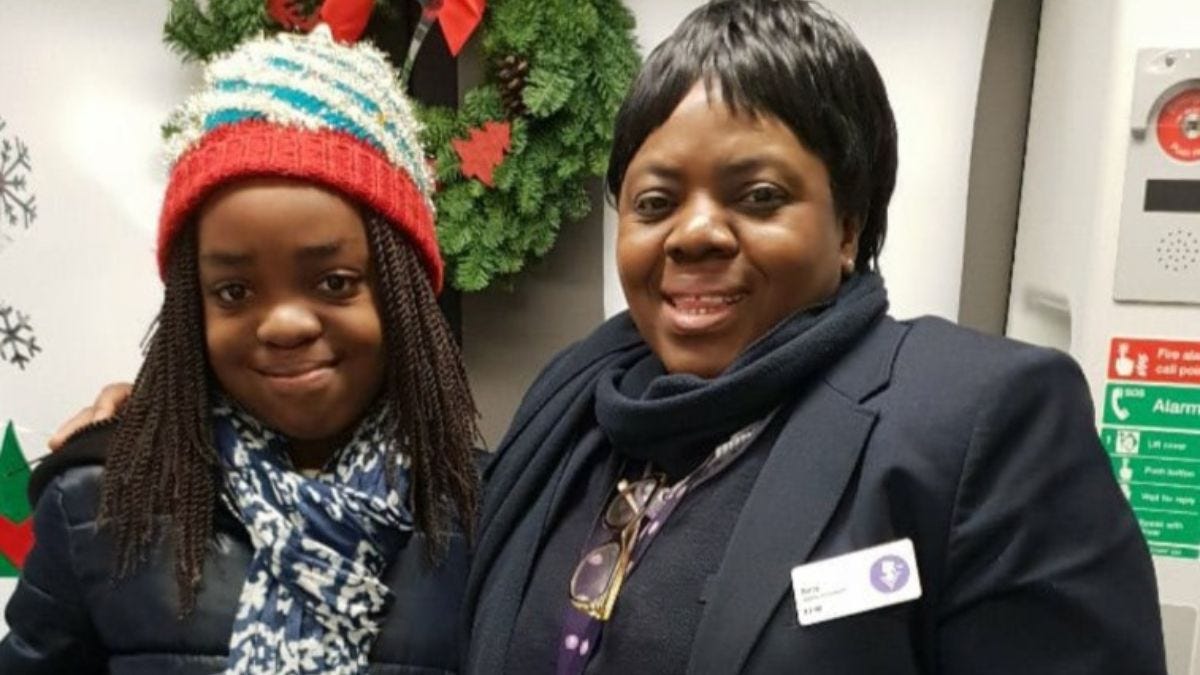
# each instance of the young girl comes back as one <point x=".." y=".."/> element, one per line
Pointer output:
<point x="281" y="491"/>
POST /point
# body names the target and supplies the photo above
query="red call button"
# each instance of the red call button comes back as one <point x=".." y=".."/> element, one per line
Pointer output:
<point x="1179" y="126"/>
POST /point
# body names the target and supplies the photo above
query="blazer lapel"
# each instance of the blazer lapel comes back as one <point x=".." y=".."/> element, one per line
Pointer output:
<point x="797" y="492"/>
<point x="795" y="495"/>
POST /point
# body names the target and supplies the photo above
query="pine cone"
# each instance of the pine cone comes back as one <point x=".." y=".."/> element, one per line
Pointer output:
<point x="512" y="72"/>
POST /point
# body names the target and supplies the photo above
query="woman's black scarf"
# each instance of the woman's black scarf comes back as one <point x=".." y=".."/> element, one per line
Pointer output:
<point x="612" y="380"/>
<point x="674" y="420"/>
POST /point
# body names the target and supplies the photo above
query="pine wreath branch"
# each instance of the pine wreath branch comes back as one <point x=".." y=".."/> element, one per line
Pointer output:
<point x="581" y="57"/>
<point x="576" y="60"/>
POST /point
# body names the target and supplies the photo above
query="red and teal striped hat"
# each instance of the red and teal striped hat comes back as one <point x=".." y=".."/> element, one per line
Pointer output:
<point x="305" y="107"/>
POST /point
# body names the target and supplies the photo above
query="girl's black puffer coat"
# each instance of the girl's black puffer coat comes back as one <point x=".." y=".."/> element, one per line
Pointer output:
<point x="68" y="616"/>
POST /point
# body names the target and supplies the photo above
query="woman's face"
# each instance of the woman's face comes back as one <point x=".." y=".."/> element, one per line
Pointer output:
<point x="292" y="330"/>
<point x="726" y="226"/>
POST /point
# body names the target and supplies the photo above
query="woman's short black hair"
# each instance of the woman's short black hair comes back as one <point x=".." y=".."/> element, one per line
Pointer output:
<point x="791" y="59"/>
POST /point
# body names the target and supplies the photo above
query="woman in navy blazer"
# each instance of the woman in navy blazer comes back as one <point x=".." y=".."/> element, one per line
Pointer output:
<point x="756" y="410"/>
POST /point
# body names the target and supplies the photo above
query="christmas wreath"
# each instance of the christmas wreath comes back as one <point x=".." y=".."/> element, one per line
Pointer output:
<point x="514" y="159"/>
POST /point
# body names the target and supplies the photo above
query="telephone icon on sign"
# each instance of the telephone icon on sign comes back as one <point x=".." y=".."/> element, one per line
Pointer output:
<point x="1120" y="411"/>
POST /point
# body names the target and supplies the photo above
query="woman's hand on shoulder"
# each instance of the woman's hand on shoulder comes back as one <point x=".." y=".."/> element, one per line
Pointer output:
<point x="111" y="398"/>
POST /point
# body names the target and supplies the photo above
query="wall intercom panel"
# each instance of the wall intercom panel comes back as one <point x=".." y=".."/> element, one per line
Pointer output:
<point x="1158" y="255"/>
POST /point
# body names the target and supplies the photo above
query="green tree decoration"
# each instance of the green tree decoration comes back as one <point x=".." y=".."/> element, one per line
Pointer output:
<point x="16" y="524"/>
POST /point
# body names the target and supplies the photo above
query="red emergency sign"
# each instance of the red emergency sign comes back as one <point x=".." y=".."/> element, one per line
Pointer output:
<point x="1146" y="360"/>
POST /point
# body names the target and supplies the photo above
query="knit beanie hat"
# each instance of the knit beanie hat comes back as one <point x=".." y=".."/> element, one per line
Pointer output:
<point x="305" y="107"/>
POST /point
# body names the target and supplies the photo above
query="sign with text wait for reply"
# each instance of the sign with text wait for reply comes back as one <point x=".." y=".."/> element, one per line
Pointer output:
<point x="1151" y="431"/>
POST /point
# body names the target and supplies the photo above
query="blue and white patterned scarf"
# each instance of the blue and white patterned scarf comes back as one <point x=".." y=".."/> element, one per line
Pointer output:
<point x="314" y="599"/>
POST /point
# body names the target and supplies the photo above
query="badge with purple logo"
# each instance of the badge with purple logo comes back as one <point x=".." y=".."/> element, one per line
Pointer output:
<point x="889" y="574"/>
<point x="856" y="582"/>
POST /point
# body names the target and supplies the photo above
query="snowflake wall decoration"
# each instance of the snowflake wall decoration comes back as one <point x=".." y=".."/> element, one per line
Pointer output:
<point x="17" y="203"/>
<point x="18" y="344"/>
<point x="18" y="208"/>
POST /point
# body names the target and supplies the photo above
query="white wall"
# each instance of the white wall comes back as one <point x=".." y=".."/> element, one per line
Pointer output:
<point x="1071" y="202"/>
<point x="930" y="53"/>
<point x="1074" y="176"/>
<point x="85" y="85"/>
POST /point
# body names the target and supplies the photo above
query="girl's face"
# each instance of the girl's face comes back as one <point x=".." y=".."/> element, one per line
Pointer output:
<point x="290" y="320"/>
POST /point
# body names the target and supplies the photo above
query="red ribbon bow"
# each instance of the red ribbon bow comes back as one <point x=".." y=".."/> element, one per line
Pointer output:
<point x="459" y="19"/>
<point x="347" y="19"/>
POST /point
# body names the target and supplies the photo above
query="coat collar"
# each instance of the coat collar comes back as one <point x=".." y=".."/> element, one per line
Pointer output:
<point x="867" y="368"/>
<point x="795" y="495"/>
<point x="617" y="334"/>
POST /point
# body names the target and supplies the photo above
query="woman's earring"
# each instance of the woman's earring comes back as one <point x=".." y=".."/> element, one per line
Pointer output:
<point x="847" y="267"/>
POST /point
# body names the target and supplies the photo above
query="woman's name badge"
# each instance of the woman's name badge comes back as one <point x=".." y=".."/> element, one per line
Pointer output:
<point x="856" y="582"/>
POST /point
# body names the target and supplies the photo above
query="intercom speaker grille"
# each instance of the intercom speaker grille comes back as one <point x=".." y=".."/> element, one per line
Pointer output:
<point x="1178" y="250"/>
